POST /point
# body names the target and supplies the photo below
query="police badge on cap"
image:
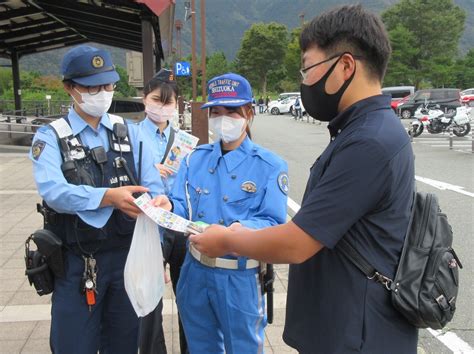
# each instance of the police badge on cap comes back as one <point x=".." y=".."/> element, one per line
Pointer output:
<point x="97" y="62"/>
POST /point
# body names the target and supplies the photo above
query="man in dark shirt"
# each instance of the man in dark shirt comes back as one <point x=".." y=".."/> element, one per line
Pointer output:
<point x="360" y="188"/>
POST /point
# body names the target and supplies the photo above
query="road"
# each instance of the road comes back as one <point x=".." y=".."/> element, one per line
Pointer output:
<point x="448" y="173"/>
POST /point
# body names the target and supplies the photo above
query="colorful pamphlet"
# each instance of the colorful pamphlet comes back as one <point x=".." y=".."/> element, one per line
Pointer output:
<point x="166" y="218"/>
<point x="182" y="145"/>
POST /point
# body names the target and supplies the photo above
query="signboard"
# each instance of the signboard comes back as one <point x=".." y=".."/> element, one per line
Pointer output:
<point x="182" y="68"/>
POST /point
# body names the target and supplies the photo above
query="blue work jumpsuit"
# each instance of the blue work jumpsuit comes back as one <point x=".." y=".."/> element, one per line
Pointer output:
<point x="224" y="308"/>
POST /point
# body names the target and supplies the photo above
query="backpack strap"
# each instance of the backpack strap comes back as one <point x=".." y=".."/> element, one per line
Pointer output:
<point x="345" y="248"/>
<point x="170" y="142"/>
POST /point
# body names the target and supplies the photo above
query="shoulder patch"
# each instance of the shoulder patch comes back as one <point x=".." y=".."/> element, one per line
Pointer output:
<point x="283" y="182"/>
<point x="37" y="149"/>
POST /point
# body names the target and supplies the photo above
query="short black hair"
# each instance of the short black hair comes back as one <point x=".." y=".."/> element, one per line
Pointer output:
<point x="167" y="89"/>
<point x="350" y="28"/>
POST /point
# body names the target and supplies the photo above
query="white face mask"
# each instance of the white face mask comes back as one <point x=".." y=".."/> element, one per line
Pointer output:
<point x="159" y="113"/>
<point x="226" y="128"/>
<point x="95" y="105"/>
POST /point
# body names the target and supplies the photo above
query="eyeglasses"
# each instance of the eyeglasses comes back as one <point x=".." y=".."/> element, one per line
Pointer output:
<point x="304" y="71"/>
<point x="94" y="90"/>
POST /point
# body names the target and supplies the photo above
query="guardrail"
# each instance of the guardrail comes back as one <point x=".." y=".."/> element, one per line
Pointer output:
<point x="22" y="125"/>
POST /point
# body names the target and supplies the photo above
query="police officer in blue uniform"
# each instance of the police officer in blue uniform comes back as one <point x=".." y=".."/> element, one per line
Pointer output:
<point x="160" y="96"/>
<point x="86" y="170"/>
<point x="236" y="183"/>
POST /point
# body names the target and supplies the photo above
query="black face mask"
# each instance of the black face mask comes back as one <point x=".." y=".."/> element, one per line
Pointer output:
<point x="319" y="104"/>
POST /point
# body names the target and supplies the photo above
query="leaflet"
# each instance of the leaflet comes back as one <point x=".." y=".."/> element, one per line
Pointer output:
<point x="182" y="145"/>
<point x="166" y="218"/>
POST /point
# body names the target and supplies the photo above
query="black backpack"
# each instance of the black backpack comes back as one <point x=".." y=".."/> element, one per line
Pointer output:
<point x="426" y="283"/>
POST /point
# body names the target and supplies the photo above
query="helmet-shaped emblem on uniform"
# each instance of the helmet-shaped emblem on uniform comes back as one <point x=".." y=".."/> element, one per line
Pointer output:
<point x="97" y="62"/>
<point x="37" y="149"/>
<point x="249" y="187"/>
<point x="283" y="182"/>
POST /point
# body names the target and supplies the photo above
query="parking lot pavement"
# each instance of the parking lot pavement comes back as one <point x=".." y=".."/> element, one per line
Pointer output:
<point x="25" y="316"/>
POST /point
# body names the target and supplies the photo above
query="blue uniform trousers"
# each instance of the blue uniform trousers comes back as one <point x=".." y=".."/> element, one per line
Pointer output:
<point x="221" y="309"/>
<point x="111" y="326"/>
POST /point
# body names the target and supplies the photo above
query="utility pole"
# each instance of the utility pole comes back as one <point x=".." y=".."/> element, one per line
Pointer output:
<point x="301" y="16"/>
<point x="193" y="47"/>
<point x="203" y="50"/>
<point x="178" y="25"/>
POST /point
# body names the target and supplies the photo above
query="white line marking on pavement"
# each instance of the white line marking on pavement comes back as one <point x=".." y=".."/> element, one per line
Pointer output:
<point x="444" y="186"/>
<point x="452" y="341"/>
<point x="18" y="191"/>
<point x="27" y="313"/>
<point x="457" y="145"/>
<point x="449" y="339"/>
<point x="293" y="205"/>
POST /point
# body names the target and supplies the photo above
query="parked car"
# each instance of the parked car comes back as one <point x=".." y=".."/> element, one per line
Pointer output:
<point x="285" y="95"/>
<point x="398" y="93"/>
<point x="128" y="108"/>
<point x="467" y="97"/>
<point x="447" y="98"/>
<point x="395" y="103"/>
<point x="281" y="106"/>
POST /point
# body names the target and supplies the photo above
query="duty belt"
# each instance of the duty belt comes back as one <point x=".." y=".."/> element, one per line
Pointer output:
<point x="220" y="262"/>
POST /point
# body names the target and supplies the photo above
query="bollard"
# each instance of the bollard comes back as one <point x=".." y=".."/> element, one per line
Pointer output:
<point x="450" y="139"/>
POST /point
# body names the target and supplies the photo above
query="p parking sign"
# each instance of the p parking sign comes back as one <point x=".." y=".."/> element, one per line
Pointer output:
<point x="182" y="68"/>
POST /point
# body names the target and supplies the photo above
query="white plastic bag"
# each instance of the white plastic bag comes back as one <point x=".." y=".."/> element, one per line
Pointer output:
<point x="143" y="274"/>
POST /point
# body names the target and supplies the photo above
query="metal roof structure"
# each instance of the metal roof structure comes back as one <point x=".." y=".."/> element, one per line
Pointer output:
<point x="32" y="26"/>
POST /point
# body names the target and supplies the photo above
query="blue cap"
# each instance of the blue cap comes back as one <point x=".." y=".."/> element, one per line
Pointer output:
<point x="89" y="66"/>
<point x="230" y="90"/>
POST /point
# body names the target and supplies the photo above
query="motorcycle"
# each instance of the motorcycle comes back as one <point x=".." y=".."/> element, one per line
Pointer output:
<point x="436" y="121"/>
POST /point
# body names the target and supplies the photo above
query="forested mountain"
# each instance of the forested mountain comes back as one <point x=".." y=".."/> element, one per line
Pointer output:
<point x="227" y="20"/>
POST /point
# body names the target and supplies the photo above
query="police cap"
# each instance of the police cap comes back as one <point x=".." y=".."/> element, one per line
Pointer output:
<point x="89" y="66"/>
<point x="165" y="75"/>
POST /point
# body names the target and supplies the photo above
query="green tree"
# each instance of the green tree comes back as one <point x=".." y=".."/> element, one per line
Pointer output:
<point x="262" y="51"/>
<point x="463" y="71"/>
<point x="123" y="89"/>
<point x="216" y="64"/>
<point x="6" y="80"/>
<point x="292" y="62"/>
<point x="434" y="28"/>
<point x="404" y="52"/>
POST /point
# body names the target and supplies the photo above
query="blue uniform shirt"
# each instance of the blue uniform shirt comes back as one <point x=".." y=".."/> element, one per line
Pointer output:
<point x="85" y="200"/>
<point x="158" y="142"/>
<point x="360" y="188"/>
<point x="246" y="185"/>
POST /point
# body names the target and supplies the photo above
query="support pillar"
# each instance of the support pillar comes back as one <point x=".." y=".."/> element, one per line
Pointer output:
<point x="16" y="82"/>
<point x="147" y="48"/>
<point x="203" y="50"/>
<point x="193" y="49"/>
<point x="199" y="122"/>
